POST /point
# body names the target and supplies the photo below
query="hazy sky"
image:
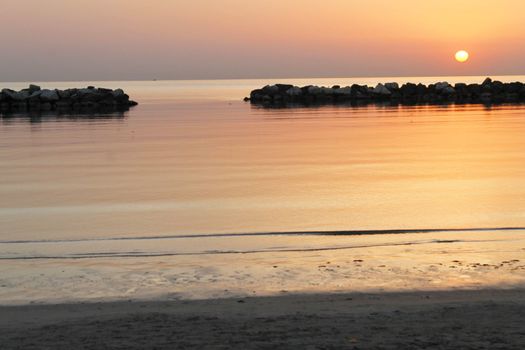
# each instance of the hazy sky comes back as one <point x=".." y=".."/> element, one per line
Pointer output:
<point x="199" y="39"/>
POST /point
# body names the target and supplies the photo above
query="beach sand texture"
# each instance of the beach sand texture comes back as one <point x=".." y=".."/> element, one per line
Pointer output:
<point x="424" y="320"/>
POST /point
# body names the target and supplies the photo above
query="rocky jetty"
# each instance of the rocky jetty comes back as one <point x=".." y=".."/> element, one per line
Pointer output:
<point x="90" y="99"/>
<point x="488" y="92"/>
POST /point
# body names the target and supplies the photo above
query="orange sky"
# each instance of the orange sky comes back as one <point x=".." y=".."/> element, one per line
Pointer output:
<point x="176" y="39"/>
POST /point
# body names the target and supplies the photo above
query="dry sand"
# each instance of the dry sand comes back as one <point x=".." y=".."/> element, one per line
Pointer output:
<point x="486" y="319"/>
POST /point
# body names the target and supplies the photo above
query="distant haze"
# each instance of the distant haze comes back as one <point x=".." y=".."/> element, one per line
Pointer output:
<point x="208" y="39"/>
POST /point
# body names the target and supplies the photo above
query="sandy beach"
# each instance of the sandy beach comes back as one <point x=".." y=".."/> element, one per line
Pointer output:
<point x="282" y="174"/>
<point x="482" y="319"/>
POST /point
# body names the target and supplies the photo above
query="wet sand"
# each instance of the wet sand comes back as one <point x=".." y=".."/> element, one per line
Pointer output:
<point x="302" y="264"/>
<point x="483" y="319"/>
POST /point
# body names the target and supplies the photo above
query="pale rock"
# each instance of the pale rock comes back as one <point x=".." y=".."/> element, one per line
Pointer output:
<point x="392" y="86"/>
<point x="380" y="89"/>
<point x="449" y="90"/>
<point x="441" y="85"/>
<point x="295" y="91"/>
<point x="345" y="91"/>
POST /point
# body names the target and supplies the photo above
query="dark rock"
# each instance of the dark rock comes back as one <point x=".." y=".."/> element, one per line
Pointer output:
<point x="462" y="91"/>
<point x="475" y="89"/>
<point x="108" y="103"/>
<point x="304" y="89"/>
<point x="118" y="93"/>
<point x="449" y="90"/>
<point x="421" y="89"/>
<point x="360" y="92"/>
<point x="36" y="99"/>
<point x="89" y="105"/>
<point x="408" y="89"/>
<point x="283" y="87"/>
<point x="497" y="87"/>
<point x="294" y="91"/>
<point x="486" y="96"/>
<point x="33" y="88"/>
<point x="94" y="95"/>
<point x="16" y="95"/>
<point x="513" y="87"/>
<point x="487" y="81"/>
<point x="256" y="94"/>
<point x="48" y="96"/>
<point x="392" y="86"/>
<point x="122" y="99"/>
<point x="442" y="92"/>
<point x="461" y="87"/>
<point x="522" y="92"/>
<point x="326" y="91"/>
<point x="64" y="104"/>
<point x="270" y="90"/>
<point x="46" y="106"/>
<point x="314" y="90"/>
<point x="67" y="93"/>
<point x="345" y="92"/>
<point x="19" y="105"/>
<point x="441" y="86"/>
<point x="486" y="86"/>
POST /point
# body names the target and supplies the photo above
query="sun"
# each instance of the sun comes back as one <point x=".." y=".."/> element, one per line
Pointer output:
<point x="462" y="56"/>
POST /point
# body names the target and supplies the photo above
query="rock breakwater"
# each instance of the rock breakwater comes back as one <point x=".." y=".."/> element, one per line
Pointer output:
<point x="90" y="99"/>
<point x="488" y="92"/>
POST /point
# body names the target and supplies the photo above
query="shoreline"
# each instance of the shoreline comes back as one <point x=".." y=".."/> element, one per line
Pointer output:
<point x="258" y="266"/>
<point x="458" y="318"/>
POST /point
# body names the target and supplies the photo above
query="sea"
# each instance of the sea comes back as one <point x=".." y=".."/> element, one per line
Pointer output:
<point x="195" y="194"/>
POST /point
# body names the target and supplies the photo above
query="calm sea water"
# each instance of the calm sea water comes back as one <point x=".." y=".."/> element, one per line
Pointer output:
<point x="193" y="159"/>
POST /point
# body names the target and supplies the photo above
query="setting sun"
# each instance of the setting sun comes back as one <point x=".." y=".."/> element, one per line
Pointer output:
<point x="462" y="56"/>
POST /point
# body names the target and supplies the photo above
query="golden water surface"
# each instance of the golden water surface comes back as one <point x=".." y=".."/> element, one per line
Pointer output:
<point x="193" y="159"/>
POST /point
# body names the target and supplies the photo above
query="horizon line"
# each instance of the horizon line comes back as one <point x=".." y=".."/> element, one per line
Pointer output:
<point x="262" y="78"/>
